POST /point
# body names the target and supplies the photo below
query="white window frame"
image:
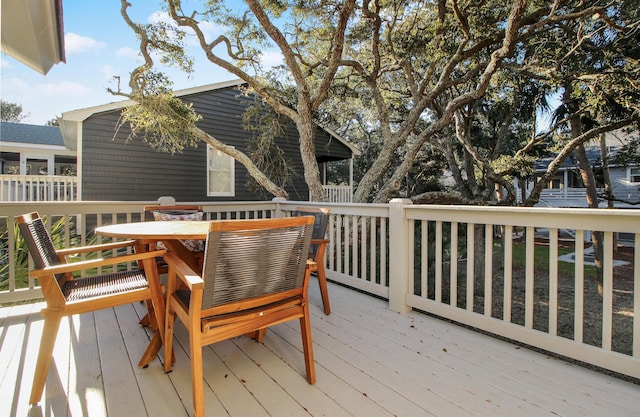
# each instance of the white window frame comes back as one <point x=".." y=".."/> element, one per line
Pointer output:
<point x="633" y="175"/>
<point x="230" y="164"/>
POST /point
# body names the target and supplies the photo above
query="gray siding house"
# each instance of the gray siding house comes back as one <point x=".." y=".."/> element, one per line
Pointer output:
<point x="566" y="188"/>
<point x="110" y="168"/>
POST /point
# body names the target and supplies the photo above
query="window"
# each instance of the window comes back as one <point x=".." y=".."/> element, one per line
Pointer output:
<point x="221" y="173"/>
<point x="634" y="174"/>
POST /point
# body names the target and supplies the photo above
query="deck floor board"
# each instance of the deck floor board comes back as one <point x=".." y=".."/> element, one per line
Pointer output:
<point x="369" y="362"/>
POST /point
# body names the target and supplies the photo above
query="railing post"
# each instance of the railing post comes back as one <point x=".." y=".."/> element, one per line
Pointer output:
<point x="278" y="211"/>
<point x="398" y="256"/>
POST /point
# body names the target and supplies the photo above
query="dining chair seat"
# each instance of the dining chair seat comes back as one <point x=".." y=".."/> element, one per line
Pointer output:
<point x="81" y="289"/>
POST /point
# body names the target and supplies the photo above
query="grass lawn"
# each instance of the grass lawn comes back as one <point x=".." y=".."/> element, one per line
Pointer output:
<point x="541" y="260"/>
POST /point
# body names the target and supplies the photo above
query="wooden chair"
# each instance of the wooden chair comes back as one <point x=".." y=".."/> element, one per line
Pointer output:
<point x="255" y="276"/>
<point x="66" y="295"/>
<point x="318" y="247"/>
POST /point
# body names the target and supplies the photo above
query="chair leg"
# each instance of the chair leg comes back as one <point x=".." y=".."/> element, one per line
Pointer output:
<point x="259" y="335"/>
<point x="47" y="343"/>
<point x="307" y="345"/>
<point x="197" y="383"/>
<point x="322" y="281"/>
<point x="146" y="320"/>
<point x="168" y="337"/>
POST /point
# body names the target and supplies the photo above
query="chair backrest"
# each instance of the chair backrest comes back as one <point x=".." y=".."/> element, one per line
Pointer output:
<point x="321" y="216"/>
<point x="38" y="241"/>
<point x="179" y="210"/>
<point x="249" y="258"/>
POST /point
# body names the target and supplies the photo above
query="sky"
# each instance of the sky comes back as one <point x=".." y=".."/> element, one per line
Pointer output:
<point x="99" y="46"/>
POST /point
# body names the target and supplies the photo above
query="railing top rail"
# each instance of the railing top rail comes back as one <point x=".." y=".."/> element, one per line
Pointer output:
<point x="615" y="220"/>
<point x="354" y="209"/>
<point x="8" y="209"/>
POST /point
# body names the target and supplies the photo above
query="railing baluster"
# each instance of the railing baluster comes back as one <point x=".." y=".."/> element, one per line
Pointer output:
<point x="579" y="286"/>
<point x="453" y="268"/>
<point x="424" y="264"/>
<point x="529" y="278"/>
<point x="508" y="273"/>
<point x="373" y="258"/>
<point x="553" y="281"/>
<point x="438" y="275"/>
<point x="384" y="276"/>
<point x="354" y="249"/>
<point x="488" y="270"/>
<point x="363" y="248"/>
<point x="470" y="265"/>
<point x="636" y="297"/>
<point x="607" y="290"/>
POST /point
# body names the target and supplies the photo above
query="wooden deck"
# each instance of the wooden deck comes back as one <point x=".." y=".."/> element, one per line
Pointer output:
<point x="369" y="362"/>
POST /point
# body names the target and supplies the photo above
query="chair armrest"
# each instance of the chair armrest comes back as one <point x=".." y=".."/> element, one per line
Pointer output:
<point x="319" y="254"/>
<point x="95" y="248"/>
<point x="187" y="275"/>
<point x="320" y="241"/>
<point x="93" y="263"/>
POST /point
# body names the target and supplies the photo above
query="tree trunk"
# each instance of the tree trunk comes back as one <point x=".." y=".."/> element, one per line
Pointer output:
<point x="306" y="128"/>
<point x="588" y="179"/>
<point x="608" y="187"/>
<point x="373" y="175"/>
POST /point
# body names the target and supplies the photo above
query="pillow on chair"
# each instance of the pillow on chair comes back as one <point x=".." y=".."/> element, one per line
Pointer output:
<point x="192" y="245"/>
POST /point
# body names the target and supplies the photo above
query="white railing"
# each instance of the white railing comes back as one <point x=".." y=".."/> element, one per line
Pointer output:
<point x="338" y="193"/>
<point x="437" y="259"/>
<point x="23" y="188"/>
<point x="555" y="194"/>
<point x="491" y="269"/>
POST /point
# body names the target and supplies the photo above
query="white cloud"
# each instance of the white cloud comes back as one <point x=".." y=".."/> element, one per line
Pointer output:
<point x="209" y="29"/>
<point x="44" y="100"/>
<point x="127" y="52"/>
<point x="109" y="72"/>
<point x="67" y="88"/>
<point x="77" y="44"/>
<point x="271" y="59"/>
<point x="5" y="64"/>
<point x="157" y="17"/>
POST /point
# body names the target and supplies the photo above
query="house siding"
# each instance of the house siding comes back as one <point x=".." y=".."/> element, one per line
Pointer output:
<point x="119" y="170"/>
<point x="622" y="188"/>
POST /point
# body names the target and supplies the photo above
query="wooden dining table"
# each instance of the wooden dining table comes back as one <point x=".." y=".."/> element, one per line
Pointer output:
<point x="170" y="233"/>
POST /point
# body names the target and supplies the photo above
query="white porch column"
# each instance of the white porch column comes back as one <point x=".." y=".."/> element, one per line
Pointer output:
<point x="398" y="256"/>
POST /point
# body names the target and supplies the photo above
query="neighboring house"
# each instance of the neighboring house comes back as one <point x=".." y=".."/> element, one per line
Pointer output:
<point x="566" y="188"/>
<point x="36" y="164"/>
<point x="34" y="150"/>
<point x="112" y="168"/>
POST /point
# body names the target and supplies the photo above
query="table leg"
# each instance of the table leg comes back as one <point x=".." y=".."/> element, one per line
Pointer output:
<point x="157" y="299"/>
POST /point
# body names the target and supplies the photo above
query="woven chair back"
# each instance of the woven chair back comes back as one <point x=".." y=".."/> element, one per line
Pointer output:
<point x="257" y="261"/>
<point x="39" y="242"/>
<point x="319" y="225"/>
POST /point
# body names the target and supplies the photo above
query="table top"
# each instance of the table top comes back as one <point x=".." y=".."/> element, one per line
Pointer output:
<point x="163" y="230"/>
